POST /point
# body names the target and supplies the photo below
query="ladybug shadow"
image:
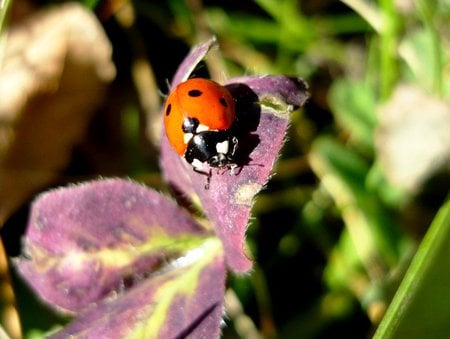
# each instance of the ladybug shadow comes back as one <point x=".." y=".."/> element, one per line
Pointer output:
<point x="248" y="114"/>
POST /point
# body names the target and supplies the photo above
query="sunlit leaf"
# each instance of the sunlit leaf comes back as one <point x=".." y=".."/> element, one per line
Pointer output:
<point x="88" y="242"/>
<point x="263" y="107"/>
<point x="186" y="301"/>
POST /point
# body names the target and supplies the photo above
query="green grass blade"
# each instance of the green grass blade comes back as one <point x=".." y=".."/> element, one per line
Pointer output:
<point x="421" y="307"/>
<point x="4" y="6"/>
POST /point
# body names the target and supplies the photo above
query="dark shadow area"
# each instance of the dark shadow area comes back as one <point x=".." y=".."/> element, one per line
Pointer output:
<point x="13" y="231"/>
<point x="248" y="114"/>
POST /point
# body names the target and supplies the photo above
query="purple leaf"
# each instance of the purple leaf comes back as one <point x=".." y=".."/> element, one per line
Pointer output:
<point x="263" y="107"/>
<point x="93" y="240"/>
<point x="189" y="64"/>
<point x="186" y="301"/>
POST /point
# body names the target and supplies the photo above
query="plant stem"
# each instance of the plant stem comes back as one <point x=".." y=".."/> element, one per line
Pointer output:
<point x="427" y="10"/>
<point x="388" y="48"/>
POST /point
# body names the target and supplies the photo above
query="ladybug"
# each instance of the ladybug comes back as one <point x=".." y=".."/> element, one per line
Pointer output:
<point x="198" y="119"/>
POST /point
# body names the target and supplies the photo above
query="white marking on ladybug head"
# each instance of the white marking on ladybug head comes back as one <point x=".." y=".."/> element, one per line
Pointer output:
<point x="222" y="147"/>
<point x="187" y="137"/>
<point x="197" y="164"/>
<point x="201" y="128"/>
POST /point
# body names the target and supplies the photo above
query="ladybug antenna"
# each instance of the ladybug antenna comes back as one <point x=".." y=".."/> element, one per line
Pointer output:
<point x="237" y="169"/>
<point x="168" y="84"/>
<point x="161" y="93"/>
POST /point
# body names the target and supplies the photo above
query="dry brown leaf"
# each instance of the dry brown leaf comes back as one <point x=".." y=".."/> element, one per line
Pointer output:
<point x="413" y="139"/>
<point x="54" y="75"/>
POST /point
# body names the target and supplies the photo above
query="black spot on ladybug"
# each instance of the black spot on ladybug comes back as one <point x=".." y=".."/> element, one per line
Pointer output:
<point x="169" y="107"/>
<point x="223" y="102"/>
<point x="195" y="93"/>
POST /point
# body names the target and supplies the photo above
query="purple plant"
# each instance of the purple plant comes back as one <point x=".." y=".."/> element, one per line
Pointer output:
<point x="127" y="261"/>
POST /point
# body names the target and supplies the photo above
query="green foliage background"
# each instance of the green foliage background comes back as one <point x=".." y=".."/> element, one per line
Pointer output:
<point x="340" y="251"/>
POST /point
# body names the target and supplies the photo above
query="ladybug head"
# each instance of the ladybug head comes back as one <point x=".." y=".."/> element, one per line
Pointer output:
<point x="216" y="148"/>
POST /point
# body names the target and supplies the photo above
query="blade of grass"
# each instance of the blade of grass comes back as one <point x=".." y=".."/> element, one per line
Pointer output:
<point x="388" y="47"/>
<point x="385" y="21"/>
<point x="4" y="6"/>
<point x="4" y="9"/>
<point x="427" y="10"/>
<point x="421" y="306"/>
<point x="367" y="11"/>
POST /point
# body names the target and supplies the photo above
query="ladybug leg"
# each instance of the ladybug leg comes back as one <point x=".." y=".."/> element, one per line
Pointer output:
<point x="198" y="167"/>
<point x="235" y="169"/>
<point x="235" y="142"/>
<point x="208" y="176"/>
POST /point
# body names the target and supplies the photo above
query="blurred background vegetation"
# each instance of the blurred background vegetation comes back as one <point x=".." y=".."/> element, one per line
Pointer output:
<point x="361" y="178"/>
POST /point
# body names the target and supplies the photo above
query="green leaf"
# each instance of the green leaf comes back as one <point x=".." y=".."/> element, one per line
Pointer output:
<point x="343" y="265"/>
<point x="421" y="307"/>
<point x="353" y="104"/>
<point x="4" y="6"/>
<point x="91" y="4"/>
<point x="424" y="60"/>
<point x="243" y="26"/>
<point x="377" y="238"/>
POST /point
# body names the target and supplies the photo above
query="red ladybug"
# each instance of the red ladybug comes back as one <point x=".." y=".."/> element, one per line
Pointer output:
<point x="198" y="117"/>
